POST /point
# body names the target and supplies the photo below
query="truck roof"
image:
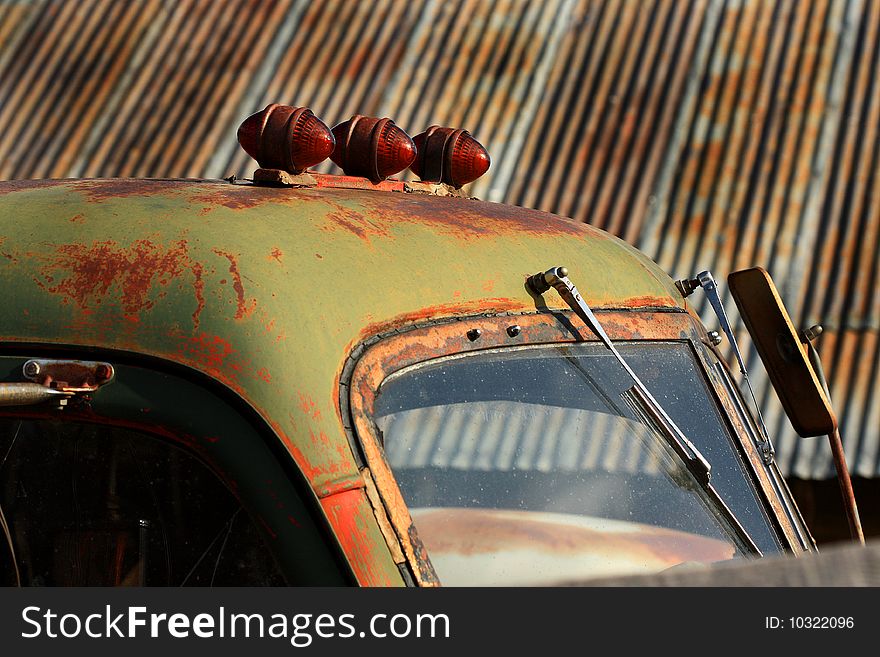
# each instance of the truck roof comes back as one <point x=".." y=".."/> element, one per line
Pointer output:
<point x="268" y="289"/>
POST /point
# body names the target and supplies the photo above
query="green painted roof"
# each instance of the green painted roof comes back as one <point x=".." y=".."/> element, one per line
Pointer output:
<point x="267" y="289"/>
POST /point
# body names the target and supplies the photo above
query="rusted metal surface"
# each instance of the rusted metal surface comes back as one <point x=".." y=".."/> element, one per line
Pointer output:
<point x="760" y="173"/>
<point x="68" y="375"/>
<point x="273" y="177"/>
<point x="714" y="134"/>
<point x="740" y="425"/>
<point x="382" y="518"/>
<point x="389" y="355"/>
<point x="352" y="518"/>
<point x="356" y="182"/>
<point x="846" y="489"/>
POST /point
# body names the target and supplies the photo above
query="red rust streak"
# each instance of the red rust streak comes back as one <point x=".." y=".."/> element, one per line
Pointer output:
<point x="320" y="440"/>
<point x="8" y="256"/>
<point x="357" y="224"/>
<point x="646" y="302"/>
<point x="208" y="351"/>
<point x="344" y="511"/>
<point x="87" y="272"/>
<point x="10" y="186"/>
<point x="244" y="309"/>
<point x="333" y="470"/>
<point x="340" y="485"/>
<point x="309" y="407"/>
<point x="199" y="288"/>
<point x="355" y="182"/>
<point x="239" y="197"/>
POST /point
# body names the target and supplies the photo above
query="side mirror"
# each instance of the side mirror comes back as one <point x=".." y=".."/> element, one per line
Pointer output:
<point x="786" y="359"/>
<point x="783" y="353"/>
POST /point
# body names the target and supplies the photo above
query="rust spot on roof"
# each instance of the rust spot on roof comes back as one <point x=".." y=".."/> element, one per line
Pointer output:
<point x="244" y="308"/>
<point x="309" y="407"/>
<point x="351" y="220"/>
<point x="468" y="219"/>
<point x="356" y="224"/>
<point x="313" y="472"/>
<point x="105" y="190"/>
<point x="108" y="274"/>
<point x="216" y="356"/>
<point x="239" y="197"/>
<point x="3" y="254"/>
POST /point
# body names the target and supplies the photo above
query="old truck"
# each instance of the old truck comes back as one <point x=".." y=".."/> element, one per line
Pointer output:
<point x="348" y="379"/>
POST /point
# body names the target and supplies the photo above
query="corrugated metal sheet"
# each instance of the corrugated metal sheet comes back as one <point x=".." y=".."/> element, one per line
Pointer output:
<point x="772" y="164"/>
<point x="714" y="134"/>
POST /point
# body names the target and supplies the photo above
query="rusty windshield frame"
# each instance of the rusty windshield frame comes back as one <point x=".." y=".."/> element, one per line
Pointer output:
<point x="378" y="357"/>
<point x="749" y="424"/>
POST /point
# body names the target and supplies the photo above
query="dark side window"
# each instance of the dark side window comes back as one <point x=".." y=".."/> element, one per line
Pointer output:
<point x="94" y="505"/>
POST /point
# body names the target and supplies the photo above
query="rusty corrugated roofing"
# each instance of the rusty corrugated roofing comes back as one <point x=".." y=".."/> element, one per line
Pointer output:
<point x="714" y="134"/>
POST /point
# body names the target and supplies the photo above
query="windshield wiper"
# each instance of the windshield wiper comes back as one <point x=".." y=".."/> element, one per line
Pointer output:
<point x="557" y="277"/>
<point x="650" y="409"/>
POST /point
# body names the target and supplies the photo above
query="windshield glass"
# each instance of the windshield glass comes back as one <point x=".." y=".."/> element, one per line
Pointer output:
<point x="527" y="466"/>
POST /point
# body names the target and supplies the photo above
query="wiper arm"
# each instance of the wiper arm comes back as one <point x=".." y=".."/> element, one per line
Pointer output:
<point x="639" y="397"/>
<point x="557" y="277"/>
<point x="705" y="280"/>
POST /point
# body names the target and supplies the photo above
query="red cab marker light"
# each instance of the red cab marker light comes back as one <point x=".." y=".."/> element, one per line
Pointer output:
<point x="372" y="148"/>
<point x="450" y="156"/>
<point x="288" y="138"/>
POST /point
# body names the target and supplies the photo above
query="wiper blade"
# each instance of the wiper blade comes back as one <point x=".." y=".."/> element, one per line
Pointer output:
<point x="641" y="400"/>
<point x="557" y="277"/>
<point x="643" y="410"/>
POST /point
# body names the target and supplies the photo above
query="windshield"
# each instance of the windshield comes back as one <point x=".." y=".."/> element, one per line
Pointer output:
<point x="528" y="466"/>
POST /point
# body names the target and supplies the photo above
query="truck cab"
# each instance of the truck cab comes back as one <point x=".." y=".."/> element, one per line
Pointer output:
<point x="328" y="380"/>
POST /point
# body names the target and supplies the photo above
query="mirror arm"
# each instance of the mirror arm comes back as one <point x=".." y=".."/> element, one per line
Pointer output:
<point x="834" y="440"/>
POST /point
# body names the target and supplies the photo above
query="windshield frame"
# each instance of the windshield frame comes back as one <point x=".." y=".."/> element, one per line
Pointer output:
<point x="381" y="356"/>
